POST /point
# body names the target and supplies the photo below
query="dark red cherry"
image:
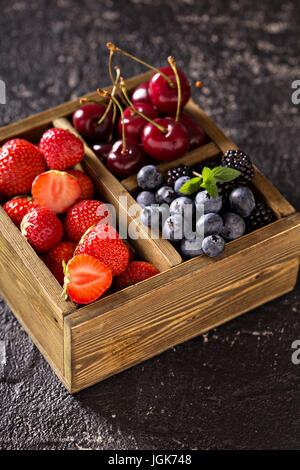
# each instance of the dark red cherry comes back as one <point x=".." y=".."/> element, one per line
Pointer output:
<point x="165" y="146"/>
<point x="141" y="94"/>
<point x="163" y="95"/>
<point x="125" y="163"/>
<point x="85" y="120"/>
<point x="196" y="133"/>
<point x="102" y="150"/>
<point x="134" y="123"/>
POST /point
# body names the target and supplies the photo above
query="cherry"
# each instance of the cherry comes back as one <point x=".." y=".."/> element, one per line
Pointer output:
<point x="169" y="144"/>
<point x="196" y="133"/>
<point x="125" y="162"/>
<point x="133" y="122"/>
<point x="102" y="150"/>
<point x="141" y="94"/>
<point x="85" y="120"/>
<point x="164" y="96"/>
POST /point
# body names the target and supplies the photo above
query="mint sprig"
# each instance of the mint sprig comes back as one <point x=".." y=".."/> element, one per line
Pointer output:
<point x="209" y="179"/>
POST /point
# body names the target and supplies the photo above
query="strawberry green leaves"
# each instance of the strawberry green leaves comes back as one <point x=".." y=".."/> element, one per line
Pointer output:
<point x="209" y="179"/>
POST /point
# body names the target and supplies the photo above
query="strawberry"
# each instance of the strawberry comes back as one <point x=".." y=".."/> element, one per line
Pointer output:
<point x="18" y="207"/>
<point x="137" y="271"/>
<point x="42" y="228"/>
<point x="83" y="215"/>
<point x="54" y="258"/>
<point x="20" y="163"/>
<point x="61" y="149"/>
<point x="86" y="184"/>
<point x="56" y="190"/>
<point x="86" y="279"/>
<point x="104" y="243"/>
<point x="131" y="251"/>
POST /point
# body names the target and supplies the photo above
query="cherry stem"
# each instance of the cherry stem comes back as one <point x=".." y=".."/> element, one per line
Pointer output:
<point x="114" y="48"/>
<point x="130" y="103"/>
<point x="113" y="123"/>
<point x="87" y="100"/>
<point x="116" y="103"/>
<point x="172" y="63"/>
<point x="197" y="174"/>
<point x="115" y="83"/>
<point x="198" y="84"/>
<point x="111" y="53"/>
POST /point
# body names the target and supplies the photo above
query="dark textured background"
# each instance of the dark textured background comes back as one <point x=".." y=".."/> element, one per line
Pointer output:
<point x="235" y="387"/>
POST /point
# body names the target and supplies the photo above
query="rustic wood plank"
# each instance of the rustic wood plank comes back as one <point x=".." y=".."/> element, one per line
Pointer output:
<point x="191" y="158"/>
<point x="157" y="251"/>
<point x="140" y="321"/>
<point x="32" y="293"/>
<point x="111" y="344"/>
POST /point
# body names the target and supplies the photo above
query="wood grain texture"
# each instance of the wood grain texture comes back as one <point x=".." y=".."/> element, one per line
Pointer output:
<point x="32" y="293"/>
<point x="109" y="336"/>
<point x="109" y="346"/>
<point x="159" y="252"/>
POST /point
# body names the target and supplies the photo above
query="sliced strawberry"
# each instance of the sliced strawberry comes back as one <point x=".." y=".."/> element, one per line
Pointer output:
<point x="86" y="279"/>
<point x="56" y="190"/>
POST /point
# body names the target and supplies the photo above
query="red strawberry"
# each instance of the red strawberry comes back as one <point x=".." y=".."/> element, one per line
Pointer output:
<point x="61" y="149"/>
<point x="18" y="207"/>
<point x="54" y="258"/>
<point x="56" y="190"/>
<point x="86" y="279"/>
<point x="131" y="251"/>
<point x="103" y="242"/>
<point x="42" y="228"/>
<point x="83" y="215"/>
<point x="137" y="271"/>
<point x="86" y="184"/>
<point x="20" y="163"/>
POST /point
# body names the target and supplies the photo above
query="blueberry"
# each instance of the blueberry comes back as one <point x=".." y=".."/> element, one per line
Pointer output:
<point x="150" y="216"/>
<point x="165" y="194"/>
<point x="154" y="216"/>
<point x="209" y="224"/>
<point x="173" y="228"/>
<point x="191" y="248"/>
<point x="145" y="198"/>
<point x="179" y="183"/>
<point x="242" y="201"/>
<point x="149" y="177"/>
<point x="178" y="206"/>
<point x="234" y="226"/>
<point x="208" y="203"/>
<point x="213" y="245"/>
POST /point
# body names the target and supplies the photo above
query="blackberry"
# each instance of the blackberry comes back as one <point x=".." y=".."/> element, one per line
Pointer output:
<point x="260" y="216"/>
<point x="174" y="173"/>
<point x="239" y="161"/>
<point x="226" y="188"/>
<point x="209" y="163"/>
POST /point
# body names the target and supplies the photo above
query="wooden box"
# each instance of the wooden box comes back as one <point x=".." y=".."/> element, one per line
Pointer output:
<point x="88" y="344"/>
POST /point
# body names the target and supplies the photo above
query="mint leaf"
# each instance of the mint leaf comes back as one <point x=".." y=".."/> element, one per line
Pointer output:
<point x="191" y="186"/>
<point x="211" y="187"/>
<point x="206" y="173"/>
<point x="224" y="174"/>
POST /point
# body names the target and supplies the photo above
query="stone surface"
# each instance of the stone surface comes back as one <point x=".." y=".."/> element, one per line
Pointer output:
<point x="236" y="387"/>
